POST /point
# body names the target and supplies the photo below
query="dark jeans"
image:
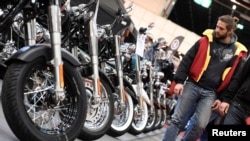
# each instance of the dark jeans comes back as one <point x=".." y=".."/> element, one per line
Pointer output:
<point x="192" y="95"/>
<point x="215" y="119"/>
<point x="236" y="115"/>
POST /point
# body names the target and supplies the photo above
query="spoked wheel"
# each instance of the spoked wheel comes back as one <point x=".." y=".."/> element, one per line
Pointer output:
<point x="140" y="119"/>
<point x="158" y="118"/>
<point x="123" y="116"/>
<point x="30" y="105"/>
<point x="152" y="118"/>
<point x="100" y="111"/>
<point x="163" y="118"/>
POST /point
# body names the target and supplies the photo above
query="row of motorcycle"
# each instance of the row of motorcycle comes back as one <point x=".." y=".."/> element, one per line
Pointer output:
<point x="63" y="75"/>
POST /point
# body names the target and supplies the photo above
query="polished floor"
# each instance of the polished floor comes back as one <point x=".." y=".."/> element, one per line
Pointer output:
<point x="7" y="135"/>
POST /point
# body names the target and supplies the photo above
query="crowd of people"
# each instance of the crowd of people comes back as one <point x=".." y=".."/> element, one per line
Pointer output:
<point x="153" y="49"/>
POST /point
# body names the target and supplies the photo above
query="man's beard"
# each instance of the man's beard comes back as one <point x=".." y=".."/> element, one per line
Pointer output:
<point x="220" y="37"/>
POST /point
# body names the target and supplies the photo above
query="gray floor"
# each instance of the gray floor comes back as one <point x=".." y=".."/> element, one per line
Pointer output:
<point x="7" y="135"/>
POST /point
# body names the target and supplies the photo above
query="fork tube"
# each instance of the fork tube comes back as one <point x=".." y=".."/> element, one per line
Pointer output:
<point x="55" y="31"/>
<point x="30" y="25"/>
<point x="93" y="47"/>
<point x="74" y="51"/>
<point x="139" y="82"/>
<point x="31" y="30"/>
<point x="151" y="81"/>
<point x="119" y="67"/>
<point x="94" y="57"/>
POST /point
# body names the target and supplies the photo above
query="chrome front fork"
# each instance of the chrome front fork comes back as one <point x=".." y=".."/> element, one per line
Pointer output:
<point x="55" y="32"/>
<point x="93" y="46"/>
<point x="119" y="69"/>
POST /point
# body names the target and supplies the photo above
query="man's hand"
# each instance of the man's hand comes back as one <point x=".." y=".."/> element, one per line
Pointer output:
<point x="178" y="89"/>
<point x="216" y="105"/>
<point x="223" y="109"/>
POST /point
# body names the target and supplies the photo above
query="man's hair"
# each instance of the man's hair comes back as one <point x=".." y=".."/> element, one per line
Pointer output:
<point x="162" y="40"/>
<point x="230" y="20"/>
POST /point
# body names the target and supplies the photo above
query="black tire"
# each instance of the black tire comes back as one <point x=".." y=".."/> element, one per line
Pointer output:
<point x="163" y="119"/>
<point x="28" y="90"/>
<point x="159" y="118"/>
<point x="99" y="116"/>
<point x="140" y="119"/>
<point x="152" y="118"/>
<point x="123" y="115"/>
<point x="2" y="71"/>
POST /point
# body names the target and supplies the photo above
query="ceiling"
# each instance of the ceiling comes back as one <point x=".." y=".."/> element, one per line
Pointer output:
<point x="192" y="16"/>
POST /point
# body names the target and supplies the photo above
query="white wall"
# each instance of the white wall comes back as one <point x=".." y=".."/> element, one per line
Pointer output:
<point x="147" y="11"/>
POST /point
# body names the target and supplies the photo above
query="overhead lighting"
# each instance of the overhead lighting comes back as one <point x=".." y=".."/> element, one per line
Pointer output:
<point x="203" y="3"/>
<point x="240" y="26"/>
<point x="234" y="7"/>
<point x="240" y="3"/>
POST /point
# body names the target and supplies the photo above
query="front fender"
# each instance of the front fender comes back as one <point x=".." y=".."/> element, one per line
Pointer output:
<point x="29" y="53"/>
<point x="128" y="86"/>
<point x="143" y="93"/>
<point x="105" y="78"/>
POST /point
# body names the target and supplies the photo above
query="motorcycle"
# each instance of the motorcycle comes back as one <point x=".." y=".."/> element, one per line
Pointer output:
<point x="148" y="78"/>
<point x="98" y="119"/>
<point x="82" y="42"/>
<point x="142" y="100"/>
<point x="163" y="86"/>
<point x="124" y="97"/>
<point x="157" y="78"/>
<point x="42" y="86"/>
<point x="127" y="117"/>
<point x="110" y="58"/>
<point x="132" y="85"/>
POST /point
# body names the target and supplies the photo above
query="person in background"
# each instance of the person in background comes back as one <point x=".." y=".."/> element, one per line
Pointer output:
<point x="235" y="104"/>
<point x="150" y="54"/>
<point x="129" y="63"/>
<point x="149" y="40"/>
<point x="153" y="53"/>
<point x="205" y="71"/>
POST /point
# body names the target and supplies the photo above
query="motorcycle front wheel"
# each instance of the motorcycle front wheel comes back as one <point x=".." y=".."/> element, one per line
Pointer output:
<point x="159" y="119"/>
<point x="100" y="111"/>
<point x="163" y="118"/>
<point x="30" y="106"/>
<point x="152" y="119"/>
<point x="140" y="119"/>
<point x="123" y="115"/>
